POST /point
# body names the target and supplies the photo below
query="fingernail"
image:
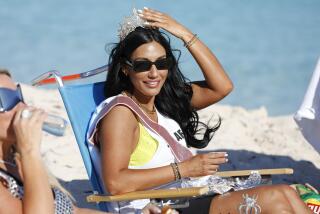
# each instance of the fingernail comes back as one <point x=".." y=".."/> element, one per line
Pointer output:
<point x="146" y="23"/>
<point x="139" y="11"/>
<point x="227" y="159"/>
<point x="140" y="14"/>
<point x="145" y="8"/>
<point x="226" y="155"/>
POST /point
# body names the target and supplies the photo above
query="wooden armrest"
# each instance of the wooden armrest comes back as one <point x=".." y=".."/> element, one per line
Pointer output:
<point x="160" y="193"/>
<point x="261" y="172"/>
<point x="181" y="192"/>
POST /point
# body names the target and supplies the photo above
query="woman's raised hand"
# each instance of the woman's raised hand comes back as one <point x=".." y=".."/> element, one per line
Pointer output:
<point x="202" y="164"/>
<point x="161" y="20"/>
<point x="28" y="129"/>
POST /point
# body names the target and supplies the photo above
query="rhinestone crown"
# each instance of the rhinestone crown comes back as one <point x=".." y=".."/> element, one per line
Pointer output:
<point x="129" y="24"/>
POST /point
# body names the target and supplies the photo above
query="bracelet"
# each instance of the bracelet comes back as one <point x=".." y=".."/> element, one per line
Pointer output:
<point x="191" y="41"/>
<point x="176" y="172"/>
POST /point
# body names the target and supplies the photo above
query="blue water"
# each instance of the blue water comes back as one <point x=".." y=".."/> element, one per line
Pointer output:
<point x="269" y="48"/>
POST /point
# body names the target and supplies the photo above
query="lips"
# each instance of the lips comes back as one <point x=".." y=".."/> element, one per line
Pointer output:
<point x="152" y="84"/>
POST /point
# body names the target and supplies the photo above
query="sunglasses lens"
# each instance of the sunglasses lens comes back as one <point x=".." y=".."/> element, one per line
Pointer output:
<point x="9" y="98"/>
<point x="139" y="66"/>
<point x="145" y="65"/>
<point x="163" y="64"/>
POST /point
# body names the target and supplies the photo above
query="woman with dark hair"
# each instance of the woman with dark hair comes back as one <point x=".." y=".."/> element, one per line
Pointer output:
<point x="173" y="100"/>
<point x="144" y="83"/>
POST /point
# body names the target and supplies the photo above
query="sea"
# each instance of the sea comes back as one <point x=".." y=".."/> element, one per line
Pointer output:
<point x="268" y="48"/>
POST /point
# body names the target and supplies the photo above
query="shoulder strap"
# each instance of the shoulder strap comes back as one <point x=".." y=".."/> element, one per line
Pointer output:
<point x="180" y="152"/>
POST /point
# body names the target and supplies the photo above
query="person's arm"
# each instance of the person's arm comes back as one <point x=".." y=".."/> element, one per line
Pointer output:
<point x="118" y="137"/>
<point x="217" y="83"/>
<point x="38" y="196"/>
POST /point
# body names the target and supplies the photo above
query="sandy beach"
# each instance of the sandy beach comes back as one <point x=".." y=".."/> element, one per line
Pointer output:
<point x="252" y="138"/>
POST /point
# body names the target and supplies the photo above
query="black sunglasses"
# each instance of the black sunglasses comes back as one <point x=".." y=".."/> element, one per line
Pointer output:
<point x="10" y="98"/>
<point x="145" y="65"/>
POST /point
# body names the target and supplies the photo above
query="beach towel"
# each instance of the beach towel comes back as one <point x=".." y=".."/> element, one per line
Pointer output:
<point x="308" y="116"/>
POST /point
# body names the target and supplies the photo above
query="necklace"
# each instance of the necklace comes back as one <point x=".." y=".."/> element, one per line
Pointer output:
<point x="9" y="163"/>
<point x="153" y="111"/>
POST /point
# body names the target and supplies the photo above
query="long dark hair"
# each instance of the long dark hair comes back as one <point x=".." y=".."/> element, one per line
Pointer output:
<point x="174" y="99"/>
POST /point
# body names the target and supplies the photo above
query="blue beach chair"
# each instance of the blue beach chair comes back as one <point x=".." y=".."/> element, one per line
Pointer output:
<point x="80" y="102"/>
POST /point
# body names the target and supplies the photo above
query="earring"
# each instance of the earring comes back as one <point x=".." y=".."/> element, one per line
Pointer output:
<point x="125" y="72"/>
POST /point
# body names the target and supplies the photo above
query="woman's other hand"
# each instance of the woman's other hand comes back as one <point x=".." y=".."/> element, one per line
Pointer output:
<point x="161" y="20"/>
<point x="202" y="164"/>
<point x="153" y="209"/>
<point x="28" y="129"/>
<point x="150" y="209"/>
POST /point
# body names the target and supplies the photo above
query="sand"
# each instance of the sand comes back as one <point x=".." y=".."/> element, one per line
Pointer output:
<point x="252" y="139"/>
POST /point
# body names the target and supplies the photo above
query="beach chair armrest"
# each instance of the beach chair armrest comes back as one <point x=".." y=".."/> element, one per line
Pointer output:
<point x="182" y="192"/>
<point x="151" y="194"/>
<point x="239" y="173"/>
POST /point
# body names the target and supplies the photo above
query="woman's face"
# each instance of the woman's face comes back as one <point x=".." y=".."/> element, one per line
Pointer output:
<point x="148" y="83"/>
<point x="6" y="118"/>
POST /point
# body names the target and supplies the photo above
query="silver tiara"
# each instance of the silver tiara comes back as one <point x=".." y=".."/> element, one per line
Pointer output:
<point x="129" y="24"/>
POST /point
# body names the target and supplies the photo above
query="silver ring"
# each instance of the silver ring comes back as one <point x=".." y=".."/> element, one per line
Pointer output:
<point x="26" y="113"/>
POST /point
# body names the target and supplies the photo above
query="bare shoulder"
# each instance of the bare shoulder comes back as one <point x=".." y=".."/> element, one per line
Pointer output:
<point x="120" y="116"/>
<point x="119" y="127"/>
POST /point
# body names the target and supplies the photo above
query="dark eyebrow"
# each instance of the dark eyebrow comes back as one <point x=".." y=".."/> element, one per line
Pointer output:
<point x="142" y="58"/>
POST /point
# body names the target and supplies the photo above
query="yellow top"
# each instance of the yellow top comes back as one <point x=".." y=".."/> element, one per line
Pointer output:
<point x="145" y="149"/>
